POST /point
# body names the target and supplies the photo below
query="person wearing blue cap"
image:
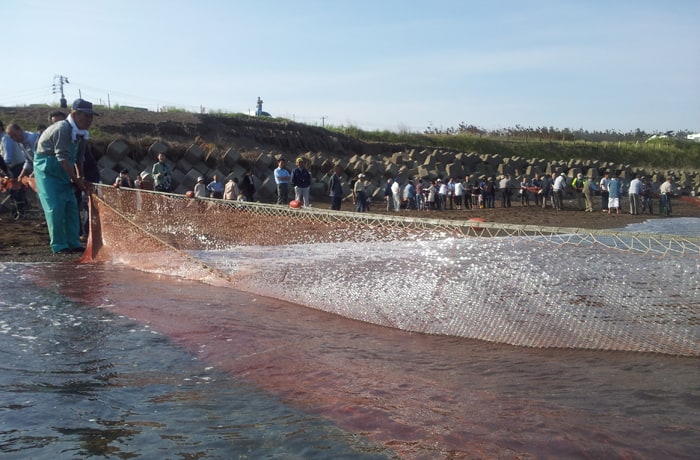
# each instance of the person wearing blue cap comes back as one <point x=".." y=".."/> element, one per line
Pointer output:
<point x="58" y="169"/>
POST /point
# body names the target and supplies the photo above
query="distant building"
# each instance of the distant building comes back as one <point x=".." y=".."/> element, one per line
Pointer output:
<point x="694" y="137"/>
<point x="665" y="135"/>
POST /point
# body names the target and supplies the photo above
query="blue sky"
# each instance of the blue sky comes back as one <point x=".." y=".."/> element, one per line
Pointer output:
<point x="394" y="65"/>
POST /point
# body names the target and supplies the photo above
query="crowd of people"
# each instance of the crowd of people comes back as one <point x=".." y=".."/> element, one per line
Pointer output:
<point x="545" y="191"/>
<point x="59" y="158"/>
<point x="463" y="193"/>
<point x="542" y="190"/>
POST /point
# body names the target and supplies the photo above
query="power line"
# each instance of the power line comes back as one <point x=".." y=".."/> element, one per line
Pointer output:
<point x="58" y="88"/>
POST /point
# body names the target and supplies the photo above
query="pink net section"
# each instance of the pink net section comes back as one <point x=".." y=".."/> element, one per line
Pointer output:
<point x="520" y="285"/>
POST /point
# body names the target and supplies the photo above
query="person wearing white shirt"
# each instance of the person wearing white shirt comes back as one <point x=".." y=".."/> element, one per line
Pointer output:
<point x="442" y="195"/>
<point x="559" y="187"/>
<point x="605" y="191"/>
<point x="396" y="194"/>
<point x="635" y="195"/>
<point x="666" y="190"/>
<point x="459" y="193"/>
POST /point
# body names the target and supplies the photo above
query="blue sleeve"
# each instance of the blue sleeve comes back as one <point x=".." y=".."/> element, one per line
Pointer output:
<point x="8" y="149"/>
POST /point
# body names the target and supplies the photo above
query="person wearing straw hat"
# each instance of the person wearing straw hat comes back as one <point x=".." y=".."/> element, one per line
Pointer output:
<point x="200" y="188"/>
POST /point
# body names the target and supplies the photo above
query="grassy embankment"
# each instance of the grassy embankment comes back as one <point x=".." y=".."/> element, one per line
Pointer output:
<point x="658" y="154"/>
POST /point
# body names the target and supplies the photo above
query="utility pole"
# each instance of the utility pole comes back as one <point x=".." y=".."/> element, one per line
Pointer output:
<point x="323" y="121"/>
<point x="58" y="87"/>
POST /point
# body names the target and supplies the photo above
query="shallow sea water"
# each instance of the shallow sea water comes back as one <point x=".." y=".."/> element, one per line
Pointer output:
<point x="80" y="381"/>
<point x="107" y="362"/>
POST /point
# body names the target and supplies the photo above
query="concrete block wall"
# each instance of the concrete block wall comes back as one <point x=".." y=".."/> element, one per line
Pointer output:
<point x="428" y="164"/>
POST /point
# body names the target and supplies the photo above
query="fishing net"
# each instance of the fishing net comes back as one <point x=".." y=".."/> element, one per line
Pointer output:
<point x="515" y="284"/>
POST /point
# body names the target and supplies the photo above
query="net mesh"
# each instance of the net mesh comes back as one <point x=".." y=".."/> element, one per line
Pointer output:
<point x="516" y="284"/>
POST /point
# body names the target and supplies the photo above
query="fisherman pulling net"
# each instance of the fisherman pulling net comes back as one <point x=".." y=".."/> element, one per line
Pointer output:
<point x="515" y="284"/>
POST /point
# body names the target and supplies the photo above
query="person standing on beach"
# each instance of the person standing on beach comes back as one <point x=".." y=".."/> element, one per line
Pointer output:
<point x="432" y="194"/>
<point x="388" y="194"/>
<point x="396" y="195"/>
<point x="161" y="174"/>
<point x="26" y="141"/>
<point x="215" y="188"/>
<point x="58" y="169"/>
<point x="200" y="188"/>
<point x="231" y="191"/>
<point x="468" y="189"/>
<point x="506" y="192"/>
<point x="614" y="194"/>
<point x="605" y="191"/>
<point x="558" y="191"/>
<point x="12" y="154"/>
<point x="458" y="193"/>
<point x="410" y="194"/>
<point x="420" y="196"/>
<point x="335" y="189"/>
<point x="282" y="178"/>
<point x="587" y="195"/>
<point x="524" y="193"/>
<point x="537" y="187"/>
<point x="578" y="184"/>
<point x="359" y="193"/>
<point x="248" y="186"/>
<point x="451" y="192"/>
<point x="301" y="180"/>
<point x="635" y="195"/>
<point x="441" y="195"/>
<point x="24" y="144"/>
<point x="666" y="190"/>
<point x="647" y="193"/>
<point x="546" y="191"/>
<point x="490" y="195"/>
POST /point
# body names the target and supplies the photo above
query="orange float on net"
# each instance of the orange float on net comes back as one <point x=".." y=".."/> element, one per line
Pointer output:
<point x="476" y="219"/>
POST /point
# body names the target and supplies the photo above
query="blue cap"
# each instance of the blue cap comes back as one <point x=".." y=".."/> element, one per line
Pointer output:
<point x="81" y="105"/>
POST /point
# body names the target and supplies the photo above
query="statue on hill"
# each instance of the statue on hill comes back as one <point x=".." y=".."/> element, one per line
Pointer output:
<point x="259" y="111"/>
